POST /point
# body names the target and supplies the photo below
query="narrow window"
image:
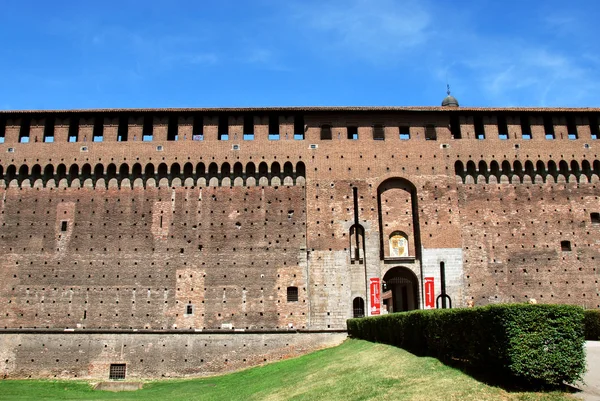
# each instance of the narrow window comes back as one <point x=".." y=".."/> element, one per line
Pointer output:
<point x="274" y="128"/>
<point x="455" y="126"/>
<point x="571" y="127"/>
<point x="63" y="226"/>
<point x="404" y="132"/>
<point x="358" y="307"/>
<point x="117" y="371"/>
<point x="248" y="128"/>
<point x="198" y="128"/>
<point x="430" y="134"/>
<point x="73" y="129"/>
<point x="2" y="129"/>
<point x="299" y="127"/>
<point x="123" y="129"/>
<point x="594" y="129"/>
<point x="24" y="131"/>
<point x="292" y="294"/>
<point x="223" y="129"/>
<point x="147" y="129"/>
<point x="189" y="309"/>
<point x="548" y="128"/>
<point x="353" y="132"/>
<point x="479" y="127"/>
<point x="525" y="127"/>
<point x="173" y="129"/>
<point x="325" y="132"/>
<point x="378" y="132"/>
<point x="49" y="130"/>
<point x="98" y="133"/>
<point x="595" y="217"/>
<point x="565" y="246"/>
<point x="502" y="127"/>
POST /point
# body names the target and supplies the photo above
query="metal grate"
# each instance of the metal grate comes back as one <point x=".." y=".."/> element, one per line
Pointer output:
<point x="117" y="371"/>
<point x="292" y="294"/>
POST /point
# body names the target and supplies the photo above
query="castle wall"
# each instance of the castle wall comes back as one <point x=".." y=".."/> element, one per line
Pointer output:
<point x="182" y="220"/>
<point x="89" y="356"/>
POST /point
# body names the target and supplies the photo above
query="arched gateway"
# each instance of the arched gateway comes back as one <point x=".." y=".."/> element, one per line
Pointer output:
<point x="400" y="290"/>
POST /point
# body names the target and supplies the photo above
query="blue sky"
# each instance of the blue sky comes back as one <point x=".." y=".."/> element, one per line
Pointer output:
<point x="83" y="54"/>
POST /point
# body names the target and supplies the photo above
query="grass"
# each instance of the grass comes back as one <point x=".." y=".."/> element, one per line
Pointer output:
<point x="355" y="370"/>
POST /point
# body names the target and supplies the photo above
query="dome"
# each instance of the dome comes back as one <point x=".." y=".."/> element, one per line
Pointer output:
<point x="449" y="101"/>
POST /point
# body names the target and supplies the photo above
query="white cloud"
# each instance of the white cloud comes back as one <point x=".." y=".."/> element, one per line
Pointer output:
<point x="366" y="29"/>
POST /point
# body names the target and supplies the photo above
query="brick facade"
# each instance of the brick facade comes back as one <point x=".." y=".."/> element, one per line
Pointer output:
<point x="206" y="219"/>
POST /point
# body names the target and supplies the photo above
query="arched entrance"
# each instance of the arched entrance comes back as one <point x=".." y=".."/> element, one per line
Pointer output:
<point x="358" y="307"/>
<point x="400" y="290"/>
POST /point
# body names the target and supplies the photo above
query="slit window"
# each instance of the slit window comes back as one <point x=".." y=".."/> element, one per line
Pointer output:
<point x="223" y="129"/>
<point x="117" y="371"/>
<point x="2" y="129"/>
<point x="198" y="129"/>
<point x="548" y="128"/>
<point x="299" y="128"/>
<point x="404" y="132"/>
<point x="430" y="134"/>
<point x="49" y="130"/>
<point x="479" y="127"/>
<point x="98" y="132"/>
<point x="292" y="294"/>
<point x="571" y="127"/>
<point x="123" y="129"/>
<point x="325" y="132"/>
<point x="525" y="128"/>
<point x="189" y="309"/>
<point x="248" y="128"/>
<point x="273" y="128"/>
<point x="595" y="218"/>
<point x="455" y="130"/>
<point x="24" y="131"/>
<point x="594" y="129"/>
<point x="173" y="129"/>
<point x="353" y="132"/>
<point x="502" y="127"/>
<point x="565" y="246"/>
<point x="63" y="225"/>
<point x="378" y="132"/>
<point x="147" y="129"/>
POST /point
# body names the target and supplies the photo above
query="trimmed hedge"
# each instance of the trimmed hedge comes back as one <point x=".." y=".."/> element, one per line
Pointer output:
<point x="592" y="324"/>
<point x="537" y="344"/>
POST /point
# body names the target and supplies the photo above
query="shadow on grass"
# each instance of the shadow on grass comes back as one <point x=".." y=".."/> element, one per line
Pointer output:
<point x="500" y="379"/>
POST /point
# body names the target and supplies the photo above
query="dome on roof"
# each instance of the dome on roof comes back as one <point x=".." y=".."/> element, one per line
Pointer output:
<point x="449" y="101"/>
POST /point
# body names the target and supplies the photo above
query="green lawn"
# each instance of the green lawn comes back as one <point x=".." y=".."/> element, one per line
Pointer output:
<point x="356" y="370"/>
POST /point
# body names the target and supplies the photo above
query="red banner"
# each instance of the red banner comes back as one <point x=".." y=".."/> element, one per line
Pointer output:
<point x="375" y="296"/>
<point x="429" y="293"/>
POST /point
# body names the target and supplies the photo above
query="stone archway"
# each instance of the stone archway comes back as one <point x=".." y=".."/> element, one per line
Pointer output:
<point x="400" y="290"/>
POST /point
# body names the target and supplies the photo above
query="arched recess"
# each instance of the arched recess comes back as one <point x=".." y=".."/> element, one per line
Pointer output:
<point x="459" y="170"/>
<point x="136" y="172"/>
<point x="188" y="171"/>
<point x="357" y="244"/>
<point x="175" y="172"/>
<point x="400" y="290"/>
<point x="300" y="173"/>
<point x="263" y="174"/>
<point x="36" y="174"/>
<point x="48" y="173"/>
<point x="23" y="174"/>
<point x="163" y="172"/>
<point x="483" y="171"/>
<point x="540" y="169"/>
<point x="586" y="169"/>
<point x="73" y="173"/>
<point x="11" y="174"/>
<point x="61" y="173"/>
<point x="407" y="210"/>
<point x="358" y="307"/>
<point x="529" y="170"/>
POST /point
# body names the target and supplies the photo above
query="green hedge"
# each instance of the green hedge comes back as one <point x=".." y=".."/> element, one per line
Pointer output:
<point x="592" y="324"/>
<point x="538" y="344"/>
